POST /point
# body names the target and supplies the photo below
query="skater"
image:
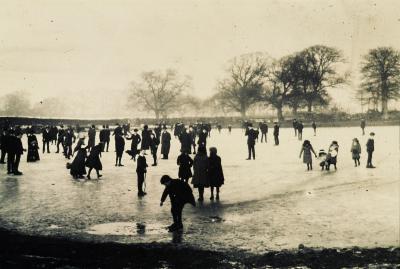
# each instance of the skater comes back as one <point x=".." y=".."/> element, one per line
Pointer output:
<point x="314" y="126"/>
<point x="93" y="160"/>
<point x="230" y="130"/>
<point x="294" y="123"/>
<point x="92" y="137"/>
<point x="186" y="141"/>
<point x="219" y="127"/>
<point x="179" y="193"/>
<point x="356" y="151"/>
<point x="119" y="148"/>
<point x="264" y="131"/>
<point x="370" y="150"/>
<point x="154" y="143"/>
<point x="15" y="150"/>
<point x="146" y="139"/>
<point x="46" y="139"/>
<point x="60" y="139"/>
<point x="102" y="137"/>
<point x="4" y="137"/>
<point x="165" y="143"/>
<point x="77" y="167"/>
<point x="185" y="163"/>
<point x="135" y="137"/>
<point x="33" y="147"/>
<point x="276" y="133"/>
<point x="200" y="170"/>
<point x="68" y="140"/>
<point x="141" y="170"/>
<point x="332" y="155"/>
<point x="251" y="141"/>
<point x="192" y="133"/>
<point x="300" y="127"/>
<point x="307" y="158"/>
<point x="362" y="125"/>
<point x="215" y="173"/>
<point x="107" y="137"/>
<point x="202" y="141"/>
<point x="322" y="157"/>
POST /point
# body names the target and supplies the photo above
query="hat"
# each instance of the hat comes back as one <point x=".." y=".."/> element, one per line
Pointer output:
<point x="165" y="178"/>
<point x="135" y="130"/>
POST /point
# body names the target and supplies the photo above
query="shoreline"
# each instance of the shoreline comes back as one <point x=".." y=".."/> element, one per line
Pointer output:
<point x="18" y="250"/>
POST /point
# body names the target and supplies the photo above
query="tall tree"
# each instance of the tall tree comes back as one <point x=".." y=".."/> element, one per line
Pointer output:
<point x="16" y="104"/>
<point x="381" y="76"/>
<point x="158" y="92"/>
<point x="319" y="73"/>
<point x="244" y="83"/>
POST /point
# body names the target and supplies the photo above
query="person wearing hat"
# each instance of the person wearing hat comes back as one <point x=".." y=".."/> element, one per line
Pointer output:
<point x="141" y="170"/>
<point x="92" y="137"/>
<point x="252" y="135"/>
<point x="135" y="137"/>
<point x="46" y="139"/>
<point x="264" y="131"/>
<point x="370" y="149"/>
<point x="102" y="137"/>
<point x="276" y="133"/>
<point x="179" y="193"/>
<point x="33" y="147"/>
<point x="165" y="143"/>
<point x="60" y="138"/>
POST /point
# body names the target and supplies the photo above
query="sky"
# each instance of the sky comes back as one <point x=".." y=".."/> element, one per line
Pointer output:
<point x="92" y="50"/>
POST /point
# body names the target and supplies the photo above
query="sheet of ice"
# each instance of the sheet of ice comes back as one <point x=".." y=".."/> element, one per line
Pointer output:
<point x="269" y="203"/>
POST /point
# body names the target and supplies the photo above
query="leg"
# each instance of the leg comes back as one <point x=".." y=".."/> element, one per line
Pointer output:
<point x="217" y="193"/>
<point x="310" y="165"/>
<point x="201" y="194"/>
<point x="249" y="151"/>
<point x="16" y="164"/>
<point x="254" y="152"/>
<point x="140" y="178"/>
<point x="212" y="193"/>
<point x="3" y="155"/>
<point x="90" y="171"/>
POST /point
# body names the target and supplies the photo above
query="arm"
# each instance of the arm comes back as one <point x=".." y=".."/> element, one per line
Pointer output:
<point x="313" y="152"/>
<point x="301" y="152"/>
<point x="164" y="195"/>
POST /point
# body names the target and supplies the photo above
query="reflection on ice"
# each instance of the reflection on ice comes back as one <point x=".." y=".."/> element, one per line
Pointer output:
<point x="127" y="228"/>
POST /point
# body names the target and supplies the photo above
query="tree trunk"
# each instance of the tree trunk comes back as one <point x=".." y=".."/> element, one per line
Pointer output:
<point x="309" y="106"/>
<point x="157" y="114"/>
<point x="279" y="113"/>
<point x="294" y="111"/>
<point x="384" y="108"/>
<point x="243" y="114"/>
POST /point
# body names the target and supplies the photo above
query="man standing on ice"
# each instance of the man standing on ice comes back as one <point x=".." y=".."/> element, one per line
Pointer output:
<point x="179" y="193"/>
<point x="276" y="133"/>
<point x="252" y="135"/>
<point x="370" y="150"/>
<point x="362" y="126"/>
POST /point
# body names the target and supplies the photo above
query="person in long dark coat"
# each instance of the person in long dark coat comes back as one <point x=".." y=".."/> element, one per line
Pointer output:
<point x="202" y="141"/>
<point x="92" y="137"/>
<point x="300" y="127"/>
<point x="314" y="126"/>
<point x="93" y="160"/>
<point x="60" y="138"/>
<point x="102" y="137"/>
<point x="180" y="194"/>
<point x="165" y="143"/>
<point x="252" y="135"/>
<point x="68" y="140"/>
<point x="141" y="170"/>
<point x="46" y="137"/>
<point x="154" y="143"/>
<point x="362" y="124"/>
<point x="119" y="149"/>
<point x="276" y="133"/>
<point x="146" y="139"/>
<point x="135" y="137"/>
<point x="33" y="147"/>
<point x="185" y="164"/>
<point x="4" y="137"/>
<point x="186" y="141"/>
<point x="200" y="170"/>
<point x="370" y="150"/>
<point x="355" y="152"/>
<point x="15" y="151"/>
<point x="108" y="135"/>
<point x="264" y="131"/>
<point x="77" y="167"/>
<point x="215" y="173"/>
<point x="295" y="123"/>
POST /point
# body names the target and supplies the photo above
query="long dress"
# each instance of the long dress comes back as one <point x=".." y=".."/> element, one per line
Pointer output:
<point x="93" y="160"/>
<point x="33" y="149"/>
<point x="185" y="166"/>
<point x="200" y="170"/>
<point x="355" y="151"/>
<point x="215" y="173"/>
<point x="77" y="167"/>
<point x="307" y="158"/>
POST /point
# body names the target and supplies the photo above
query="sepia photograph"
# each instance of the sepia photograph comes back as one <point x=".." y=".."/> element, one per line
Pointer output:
<point x="200" y="134"/>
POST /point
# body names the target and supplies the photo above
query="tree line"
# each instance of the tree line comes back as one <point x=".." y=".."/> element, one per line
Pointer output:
<point x="297" y="81"/>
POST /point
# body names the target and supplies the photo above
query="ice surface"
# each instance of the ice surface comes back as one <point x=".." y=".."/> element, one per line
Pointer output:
<point x="269" y="203"/>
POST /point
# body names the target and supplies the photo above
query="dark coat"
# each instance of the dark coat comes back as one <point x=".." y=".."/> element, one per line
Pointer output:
<point x="15" y="145"/>
<point x="93" y="160"/>
<point x="370" y="145"/>
<point x="103" y="135"/>
<point x="200" y="171"/>
<point x="165" y="143"/>
<point x="276" y="130"/>
<point x="186" y="142"/>
<point x="179" y="193"/>
<point x="251" y="136"/>
<point x="300" y="127"/>
<point x="77" y="167"/>
<point x="154" y="143"/>
<point x="146" y="139"/>
<point x="135" y="143"/>
<point x="61" y="135"/>
<point x="119" y="144"/>
<point x="33" y="146"/>
<point x="141" y="165"/>
<point x="185" y="166"/>
<point x="215" y="173"/>
<point x="202" y="139"/>
<point x="92" y="137"/>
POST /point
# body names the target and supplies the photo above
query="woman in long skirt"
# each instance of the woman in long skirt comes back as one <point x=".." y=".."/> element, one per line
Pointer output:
<point x="93" y="160"/>
<point x="77" y="167"/>
<point x="215" y="173"/>
<point x="200" y="168"/>
<point x="33" y="147"/>
<point x="306" y="150"/>
<point x="185" y="166"/>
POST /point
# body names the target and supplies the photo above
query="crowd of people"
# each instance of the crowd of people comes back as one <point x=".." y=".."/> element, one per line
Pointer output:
<point x="205" y="170"/>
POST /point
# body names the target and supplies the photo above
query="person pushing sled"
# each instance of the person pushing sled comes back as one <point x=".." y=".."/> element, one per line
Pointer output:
<point x="180" y="194"/>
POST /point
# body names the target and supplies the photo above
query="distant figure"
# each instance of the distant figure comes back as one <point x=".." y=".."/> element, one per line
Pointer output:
<point x="186" y="141"/>
<point x="306" y="150"/>
<point x="200" y="170"/>
<point x="60" y="139"/>
<point x="294" y="123"/>
<point x="103" y="137"/>
<point x="202" y="141"/>
<point x="185" y="164"/>
<point x="180" y="194"/>
<point x="370" y="149"/>
<point x="154" y="143"/>
<point x="300" y="127"/>
<point x="276" y="133"/>
<point x="332" y="155"/>
<point x="146" y="139"/>
<point x="219" y="127"/>
<point x="363" y="126"/>
<point x="165" y="143"/>
<point x="215" y="173"/>
<point x="251" y="141"/>
<point x="92" y="137"/>
<point x="119" y="148"/>
<point x="15" y="150"/>
<point x="322" y="157"/>
<point x="46" y="139"/>
<point x="141" y="170"/>
<point x="230" y="129"/>
<point x="314" y="126"/>
<point x="68" y="140"/>
<point x="355" y="152"/>
<point x="33" y="147"/>
<point x="93" y="160"/>
<point x="107" y="137"/>
<point x="192" y="133"/>
<point x="264" y="131"/>
<point x="3" y="145"/>
<point x="77" y="167"/>
<point x="135" y="137"/>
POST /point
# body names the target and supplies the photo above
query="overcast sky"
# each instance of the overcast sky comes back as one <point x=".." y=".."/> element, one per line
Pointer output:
<point x="60" y="48"/>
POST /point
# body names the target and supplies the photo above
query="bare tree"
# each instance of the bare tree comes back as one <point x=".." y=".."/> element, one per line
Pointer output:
<point x="381" y="76"/>
<point x="16" y="104"/>
<point x="244" y="83"/>
<point x="158" y="92"/>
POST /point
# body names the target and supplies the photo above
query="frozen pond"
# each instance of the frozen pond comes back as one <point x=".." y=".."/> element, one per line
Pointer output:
<point x="269" y="203"/>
